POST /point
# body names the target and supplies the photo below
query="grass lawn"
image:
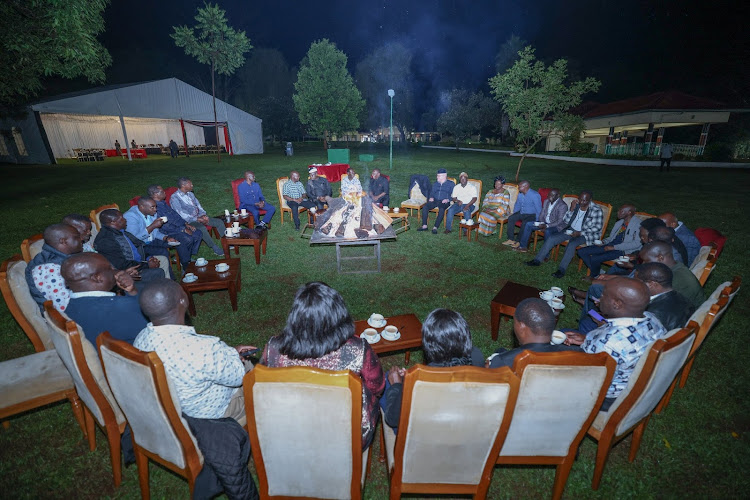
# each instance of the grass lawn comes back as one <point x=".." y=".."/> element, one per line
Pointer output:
<point x="697" y="447"/>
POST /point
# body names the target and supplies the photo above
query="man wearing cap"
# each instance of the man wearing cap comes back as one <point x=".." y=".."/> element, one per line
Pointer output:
<point x="527" y="208"/>
<point x="318" y="189"/>
<point x="440" y="198"/>
<point x="464" y="197"/>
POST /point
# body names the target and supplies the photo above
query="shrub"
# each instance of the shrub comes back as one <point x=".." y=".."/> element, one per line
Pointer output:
<point x="718" y="151"/>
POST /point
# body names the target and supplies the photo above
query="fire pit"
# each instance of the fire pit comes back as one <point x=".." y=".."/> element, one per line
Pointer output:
<point x="352" y="219"/>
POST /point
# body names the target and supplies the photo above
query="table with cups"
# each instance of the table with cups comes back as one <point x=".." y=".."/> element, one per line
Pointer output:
<point x="400" y="218"/>
<point x="391" y="334"/>
<point x="206" y="276"/>
<point x="467" y="226"/>
<point x="511" y="294"/>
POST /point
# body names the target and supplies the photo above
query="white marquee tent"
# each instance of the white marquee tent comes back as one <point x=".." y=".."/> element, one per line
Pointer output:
<point x="148" y="112"/>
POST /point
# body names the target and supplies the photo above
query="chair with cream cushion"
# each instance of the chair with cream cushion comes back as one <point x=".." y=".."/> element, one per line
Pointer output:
<point x="283" y="205"/>
<point x="31" y="246"/>
<point x="146" y="396"/>
<point x="559" y="397"/>
<point x="94" y="215"/>
<point x="82" y="362"/>
<point x="657" y="368"/>
<point x="21" y="305"/>
<point x="305" y="427"/>
<point x="513" y="190"/>
<point x="705" y="263"/>
<point x="453" y="424"/>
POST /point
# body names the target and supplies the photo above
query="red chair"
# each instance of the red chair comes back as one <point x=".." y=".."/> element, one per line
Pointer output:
<point x="236" y="184"/>
<point x="169" y="192"/>
<point x="707" y="235"/>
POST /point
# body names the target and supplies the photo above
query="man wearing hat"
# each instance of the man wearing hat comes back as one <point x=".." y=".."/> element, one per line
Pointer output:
<point x="464" y="196"/>
<point x="440" y="197"/>
<point x="318" y="189"/>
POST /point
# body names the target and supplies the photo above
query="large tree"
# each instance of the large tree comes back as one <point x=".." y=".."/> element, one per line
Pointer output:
<point x="537" y="97"/>
<point x="326" y="98"/>
<point x="216" y="44"/>
<point x="387" y="67"/>
<point x="45" y="38"/>
<point x="467" y="113"/>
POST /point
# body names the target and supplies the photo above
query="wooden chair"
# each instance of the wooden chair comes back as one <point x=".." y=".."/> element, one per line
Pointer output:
<point x="705" y="263"/>
<point x="567" y="199"/>
<point x="283" y="205"/>
<point x="306" y="419"/>
<point x="453" y="424"/>
<point x="94" y="215"/>
<point x="414" y="206"/>
<point x="559" y="397"/>
<point x="31" y="246"/>
<point x="235" y="185"/>
<point x="143" y="392"/>
<point x="82" y="362"/>
<point x="606" y="214"/>
<point x="513" y="190"/>
<point x="655" y="371"/>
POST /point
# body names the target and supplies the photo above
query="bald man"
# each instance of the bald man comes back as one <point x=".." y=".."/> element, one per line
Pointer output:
<point x="623" y="239"/>
<point x="206" y="372"/>
<point x="671" y="308"/>
<point x="43" y="272"/>
<point x="93" y="304"/>
<point x="683" y="280"/>
<point x="625" y="335"/>
<point x="685" y="235"/>
<point x="84" y="227"/>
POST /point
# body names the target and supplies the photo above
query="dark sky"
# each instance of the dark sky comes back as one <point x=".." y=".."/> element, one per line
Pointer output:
<point x="634" y="47"/>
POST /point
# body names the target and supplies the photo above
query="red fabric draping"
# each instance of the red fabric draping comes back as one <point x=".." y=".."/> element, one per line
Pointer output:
<point x="333" y="172"/>
<point x="135" y="153"/>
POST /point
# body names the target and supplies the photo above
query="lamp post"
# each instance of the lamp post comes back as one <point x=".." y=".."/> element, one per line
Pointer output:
<point x="391" y="93"/>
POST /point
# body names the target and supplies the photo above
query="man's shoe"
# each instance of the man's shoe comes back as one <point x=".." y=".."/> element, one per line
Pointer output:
<point x="421" y="229"/>
<point x="434" y="230"/>
<point x="519" y="249"/>
<point x="516" y="244"/>
<point x="219" y="252"/>
<point x="558" y="274"/>
<point x="448" y="231"/>
<point x="508" y="243"/>
<point x="533" y="262"/>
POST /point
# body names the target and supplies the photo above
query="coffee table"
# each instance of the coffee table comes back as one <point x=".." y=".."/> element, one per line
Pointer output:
<point x="237" y="242"/>
<point x="209" y="280"/>
<point x="507" y="299"/>
<point x="468" y="228"/>
<point x="411" y="334"/>
<point x="400" y="219"/>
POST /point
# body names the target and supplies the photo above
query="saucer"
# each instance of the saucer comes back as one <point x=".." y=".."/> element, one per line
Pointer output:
<point x="561" y="306"/>
<point x="221" y="270"/>
<point x="388" y="337"/>
<point x="201" y="265"/>
<point x="371" y="340"/>
<point x="190" y="279"/>
<point x="173" y="243"/>
<point x="376" y="324"/>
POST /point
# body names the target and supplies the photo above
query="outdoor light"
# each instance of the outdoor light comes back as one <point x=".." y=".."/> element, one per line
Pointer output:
<point x="391" y="93"/>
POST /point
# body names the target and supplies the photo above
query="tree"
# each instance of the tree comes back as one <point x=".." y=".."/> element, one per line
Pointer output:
<point x="279" y="117"/>
<point x="265" y="74"/>
<point x="537" y="97"/>
<point x="466" y="114"/>
<point x="48" y="37"/>
<point x="388" y="67"/>
<point x="326" y="99"/>
<point x="508" y="53"/>
<point x="216" y="44"/>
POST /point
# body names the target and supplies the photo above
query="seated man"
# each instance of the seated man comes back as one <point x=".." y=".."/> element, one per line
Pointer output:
<point x="318" y="189"/>
<point x="206" y="372"/>
<point x="350" y="185"/>
<point x="43" y="272"/>
<point x="185" y="203"/>
<point x="189" y="237"/>
<point x="440" y="198"/>
<point x="625" y="335"/>
<point x="83" y="226"/>
<point x="684" y="281"/>
<point x="464" y="197"/>
<point x="125" y="251"/>
<point x="685" y="235"/>
<point x="533" y="323"/>
<point x="252" y="200"/>
<point x="379" y="189"/>
<point x="623" y="239"/>
<point x="669" y="307"/>
<point x="551" y="220"/>
<point x="527" y="209"/>
<point x="94" y="306"/>
<point x="144" y="225"/>
<point x="667" y="235"/>
<point x="583" y="225"/>
<point x="295" y="196"/>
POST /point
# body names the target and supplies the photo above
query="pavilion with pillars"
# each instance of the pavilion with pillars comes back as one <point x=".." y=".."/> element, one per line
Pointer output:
<point x="636" y="126"/>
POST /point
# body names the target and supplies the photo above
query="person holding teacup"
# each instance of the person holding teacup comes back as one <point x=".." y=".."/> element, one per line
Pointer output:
<point x="623" y="239"/>
<point x="550" y="220"/>
<point x="252" y="200"/>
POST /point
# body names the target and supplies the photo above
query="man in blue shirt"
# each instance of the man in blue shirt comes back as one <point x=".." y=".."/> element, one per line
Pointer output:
<point x="252" y="199"/>
<point x="527" y="208"/>
<point x="440" y="197"/>
<point x="144" y="225"/>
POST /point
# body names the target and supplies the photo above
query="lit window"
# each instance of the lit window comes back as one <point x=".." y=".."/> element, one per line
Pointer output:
<point x="19" y="142"/>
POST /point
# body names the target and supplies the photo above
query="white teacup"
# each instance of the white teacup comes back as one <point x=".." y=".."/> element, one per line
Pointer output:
<point x="164" y="219"/>
<point x="228" y="232"/>
<point x="370" y="332"/>
<point x="395" y="209"/>
<point x="313" y="210"/>
<point x="376" y="318"/>
<point x="558" y="337"/>
<point x="201" y="261"/>
<point x="390" y="331"/>
<point x="556" y="303"/>
<point x="222" y="267"/>
<point x="244" y="212"/>
<point x="470" y="222"/>
<point x="385" y="208"/>
<point x="569" y="232"/>
<point x="546" y="295"/>
<point x="597" y="242"/>
<point x="226" y="213"/>
<point x="189" y="275"/>
<point x="537" y="223"/>
<point x="557" y="291"/>
<point x="463" y="221"/>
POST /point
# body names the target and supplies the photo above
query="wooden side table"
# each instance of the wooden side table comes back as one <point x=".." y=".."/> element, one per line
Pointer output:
<point x="411" y="334"/>
<point x="469" y="228"/>
<point x="506" y="300"/>
<point x="209" y="279"/>
<point x="400" y="219"/>
<point x="236" y="242"/>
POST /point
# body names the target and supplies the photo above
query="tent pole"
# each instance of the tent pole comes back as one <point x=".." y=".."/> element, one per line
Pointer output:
<point x="184" y="137"/>
<point x="125" y="133"/>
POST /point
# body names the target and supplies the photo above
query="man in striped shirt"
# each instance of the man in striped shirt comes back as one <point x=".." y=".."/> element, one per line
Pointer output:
<point x="295" y="196"/>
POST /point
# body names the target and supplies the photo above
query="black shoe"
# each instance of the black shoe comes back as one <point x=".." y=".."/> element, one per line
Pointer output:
<point x="533" y="262"/>
<point x="558" y="274"/>
<point x="448" y="231"/>
<point x="434" y="230"/>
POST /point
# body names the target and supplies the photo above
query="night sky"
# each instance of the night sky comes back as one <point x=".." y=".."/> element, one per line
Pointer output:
<point x="634" y="47"/>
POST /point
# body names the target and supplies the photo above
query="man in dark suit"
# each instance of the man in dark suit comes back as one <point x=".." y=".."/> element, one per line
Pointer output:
<point x="550" y="220"/>
<point x="669" y="307"/>
<point x="533" y="323"/>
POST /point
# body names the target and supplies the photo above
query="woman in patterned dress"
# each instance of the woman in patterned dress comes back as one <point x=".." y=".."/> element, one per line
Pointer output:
<point x="319" y="333"/>
<point x="495" y="206"/>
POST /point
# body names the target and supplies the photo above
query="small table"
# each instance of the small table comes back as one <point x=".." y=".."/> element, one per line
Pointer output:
<point x="246" y="220"/>
<point x="469" y="228"/>
<point x="357" y="243"/>
<point x="209" y="280"/>
<point x="400" y="220"/>
<point x="236" y="242"/>
<point x="507" y="299"/>
<point x="411" y="334"/>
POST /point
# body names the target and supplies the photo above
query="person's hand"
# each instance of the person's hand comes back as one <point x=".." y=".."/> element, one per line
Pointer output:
<point x="605" y="277"/>
<point x="189" y="229"/>
<point x="169" y="239"/>
<point x="153" y="262"/>
<point x="125" y="282"/>
<point x="446" y="200"/>
<point x="573" y="204"/>
<point x="542" y="226"/>
<point x="155" y="225"/>
<point x="396" y="375"/>
<point x="431" y="199"/>
<point x="575" y="234"/>
<point x="609" y="248"/>
<point x="260" y="204"/>
<point x="133" y="271"/>
<point x="245" y="348"/>
<point x="203" y="219"/>
<point x="574" y="338"/>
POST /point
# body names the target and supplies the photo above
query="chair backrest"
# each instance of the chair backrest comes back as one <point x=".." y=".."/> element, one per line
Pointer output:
<point x="559" y="396"/>
<point x="145" y="394"/>
<point x="80" y="358"/>
<point x="654" y="373"/>
<point x="235" y="185"/>
<point x="94" y="215"/>
<point x="705" y="263"/>
<point x="169" y="192"/>
<point x="453" y="423"/>
<point x="543" y="193"/>
<point x="134" y="200"/>
<point x="477" y="183"/>
<point x="644" y="215"/>
<point x="21" y="305"/>
<point x="305" y="427"/>
<point x="568" y="199"/>
<point x="513" y="190"/>
<point x="31" y="246"/>
<point x="606" y="213"/>
<point x="280" y="190"/>
<point x="728" y="288"/>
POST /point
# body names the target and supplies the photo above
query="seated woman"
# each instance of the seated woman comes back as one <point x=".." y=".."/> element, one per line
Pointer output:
<point x="319" y="333"/>
<point x="446" y="341"/>
<point x="495" y="206"/>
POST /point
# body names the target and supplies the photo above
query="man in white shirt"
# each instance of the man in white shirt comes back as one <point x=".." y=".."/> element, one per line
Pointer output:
<point x="665" y="155"/>
<point x="350" y="185"/>
<point x="464" y="197"/>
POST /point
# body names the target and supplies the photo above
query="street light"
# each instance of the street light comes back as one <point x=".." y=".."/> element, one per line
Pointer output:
<point x="391" y="93"/>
